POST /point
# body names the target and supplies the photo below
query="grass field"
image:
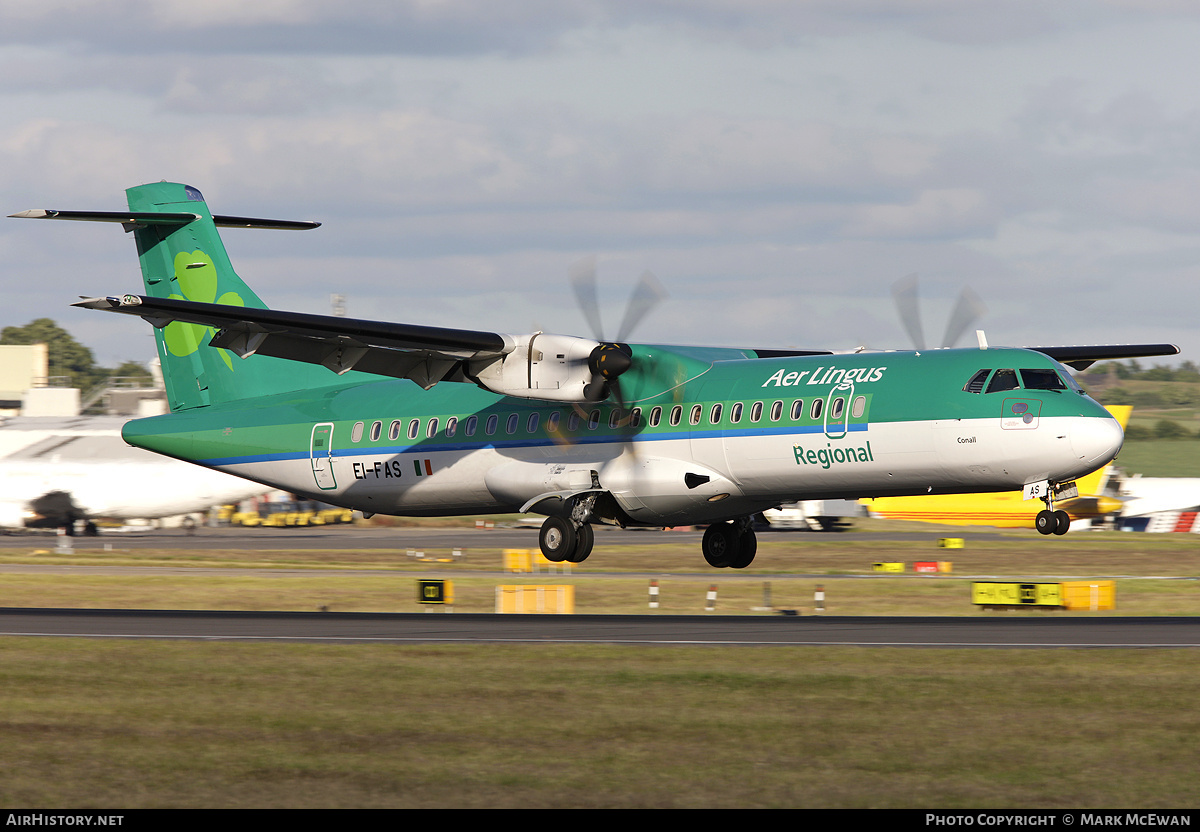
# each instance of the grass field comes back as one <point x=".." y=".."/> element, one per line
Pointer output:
<point x="1161" y="458"/>
<point x="130" y="724"/>
<point x="138" y="724"/>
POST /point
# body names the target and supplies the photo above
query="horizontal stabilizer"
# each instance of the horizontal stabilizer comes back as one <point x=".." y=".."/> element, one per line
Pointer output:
<point x="136" y="219"/>
<point x="424" y="354"/>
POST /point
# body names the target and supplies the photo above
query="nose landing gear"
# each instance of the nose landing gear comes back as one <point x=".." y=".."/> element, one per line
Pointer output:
<point x="1050" y="521"/>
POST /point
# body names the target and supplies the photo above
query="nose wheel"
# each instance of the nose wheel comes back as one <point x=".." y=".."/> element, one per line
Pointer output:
<point x="1050" y="521"/>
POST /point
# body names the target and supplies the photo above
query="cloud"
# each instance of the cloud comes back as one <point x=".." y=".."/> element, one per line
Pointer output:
<point x="464" y="27"/>
<point x="778" y="164"/>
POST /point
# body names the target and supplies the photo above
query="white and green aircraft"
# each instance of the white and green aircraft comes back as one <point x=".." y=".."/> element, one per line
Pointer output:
<point x="413" y="420"/>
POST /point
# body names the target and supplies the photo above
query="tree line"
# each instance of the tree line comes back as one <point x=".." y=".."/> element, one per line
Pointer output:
<point x="68" y="359"/>
<point x="1132" y="370"/>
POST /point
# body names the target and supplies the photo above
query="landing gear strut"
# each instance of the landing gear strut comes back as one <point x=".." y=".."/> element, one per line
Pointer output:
<point x="731" y="544"/>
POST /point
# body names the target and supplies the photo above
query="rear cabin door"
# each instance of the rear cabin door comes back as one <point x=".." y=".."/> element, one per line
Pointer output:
<point x="321" y="454"/>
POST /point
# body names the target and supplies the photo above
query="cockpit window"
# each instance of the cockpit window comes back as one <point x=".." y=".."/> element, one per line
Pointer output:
<point x="1041" y="380"/>
<point x="1003" y="380"/>
<point x="975" y="385"/>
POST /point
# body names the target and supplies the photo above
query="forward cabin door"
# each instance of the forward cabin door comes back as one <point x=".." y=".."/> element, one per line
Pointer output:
<point x="846" y="411"/>
<point x="321" y="454"/>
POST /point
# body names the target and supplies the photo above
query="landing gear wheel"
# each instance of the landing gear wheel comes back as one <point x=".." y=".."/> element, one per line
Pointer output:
<point x="721" y="544"/>
<point x="557" y="539"/>
<point x="1046" y="522"/>
<point x="585" y="537"/>
<point x="1062" y="522"/>
<point x="748" y="548"/>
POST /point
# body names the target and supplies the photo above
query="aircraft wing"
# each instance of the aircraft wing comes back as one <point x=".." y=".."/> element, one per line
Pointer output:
<point x="1080" y="358"/>
<point x="424" y="354"/>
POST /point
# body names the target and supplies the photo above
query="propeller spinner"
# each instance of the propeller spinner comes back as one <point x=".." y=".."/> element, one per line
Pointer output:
<point x="610" y="359"/>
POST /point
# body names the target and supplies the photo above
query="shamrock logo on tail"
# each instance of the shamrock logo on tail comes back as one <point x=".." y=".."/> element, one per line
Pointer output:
<point x="197" y="279"/>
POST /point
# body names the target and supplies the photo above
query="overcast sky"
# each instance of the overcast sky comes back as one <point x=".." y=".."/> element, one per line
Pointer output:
<point x="778" y="164"/>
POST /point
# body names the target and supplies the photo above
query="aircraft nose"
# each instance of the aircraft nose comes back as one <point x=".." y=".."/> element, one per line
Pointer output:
<point x="1096" y="440"/>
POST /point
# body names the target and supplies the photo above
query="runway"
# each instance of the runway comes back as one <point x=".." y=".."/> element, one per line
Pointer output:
<point x="441" y="538"/>
<point x="400" y="628"/>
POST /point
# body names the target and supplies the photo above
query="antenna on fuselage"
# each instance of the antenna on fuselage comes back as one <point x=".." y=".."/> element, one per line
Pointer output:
<point x="981" y="338"/>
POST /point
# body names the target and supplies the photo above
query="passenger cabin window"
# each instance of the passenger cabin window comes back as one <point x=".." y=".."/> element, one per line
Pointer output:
<point x="975" y="385"/>
<point x="531" y="424"/>
<point x="414" y="427"/>
<point x="714" y="415"/>
<point x="451" y="425"/>
<point x="614" y="418"/>
<point x="756" y="411"/>
<point x="376" y="431"/>
<point x="394" y="430"/>
<point x="489" y="427"/>
<point x="815" y="411"/>
<point x="572" y="422"/>
<point x="697" y="412"/>
<point x="859" y="407"/>
<point x="472" y="424"/>
<point x="676" y="414"/>
<point x="655" y="416"/>
<point x="776" y="411"/>
<point x="735" y="413"/>
<point x="797" y="410"/>
<point x="356" y="432"/>
<point x="1003" y="380"/>
<point x="510" y="426"/>
<point x="594" y="420"/>
<point x="431" y="429"/>
<point x="1041" y="380"/>
<point x="635" y="418"/>
<point x="552" y="422"/>
<point x="837" y="408"/>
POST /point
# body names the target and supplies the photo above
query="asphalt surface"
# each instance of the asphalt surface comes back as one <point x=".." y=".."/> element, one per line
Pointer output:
<point x="440" y="627"/>
<point x="545" y="629"/>
<point x="336" y="537"/>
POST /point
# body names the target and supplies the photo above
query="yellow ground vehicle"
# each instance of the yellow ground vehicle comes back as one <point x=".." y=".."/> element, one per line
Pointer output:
<point x="292" y="513"/>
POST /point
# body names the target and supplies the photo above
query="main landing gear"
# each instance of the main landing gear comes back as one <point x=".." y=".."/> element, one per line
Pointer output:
<point x="730" y="544"/>
<point x="1049" y="521"/>
<point x="561" y="540"/>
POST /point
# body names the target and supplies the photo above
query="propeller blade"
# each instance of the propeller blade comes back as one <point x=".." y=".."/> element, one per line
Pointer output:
<point x="904" y="293"/>
<point x="968" y="309"/>
<point x="646" y="295"/>
<point x="583" y="279"/>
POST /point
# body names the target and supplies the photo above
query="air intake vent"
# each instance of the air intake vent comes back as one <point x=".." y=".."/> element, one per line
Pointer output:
<point x="694" y="480"/>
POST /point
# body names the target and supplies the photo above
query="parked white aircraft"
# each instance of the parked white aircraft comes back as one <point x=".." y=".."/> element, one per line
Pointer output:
<point x="1170" y="504"/>
<point x="56" y="471"/>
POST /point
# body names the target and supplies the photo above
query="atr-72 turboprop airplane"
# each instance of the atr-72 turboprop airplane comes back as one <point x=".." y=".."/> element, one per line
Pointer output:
<point x="404" y="419"/>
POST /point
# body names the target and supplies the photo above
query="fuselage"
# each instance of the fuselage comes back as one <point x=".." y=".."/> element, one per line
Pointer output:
<point x="697" y="440"/>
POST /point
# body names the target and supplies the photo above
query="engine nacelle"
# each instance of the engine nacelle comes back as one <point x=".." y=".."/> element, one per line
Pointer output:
<point x="543" y="366"/>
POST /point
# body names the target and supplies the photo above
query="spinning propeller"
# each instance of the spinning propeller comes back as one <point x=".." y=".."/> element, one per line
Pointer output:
<point x="609" y="359"/>
<point x="967" y="310"/>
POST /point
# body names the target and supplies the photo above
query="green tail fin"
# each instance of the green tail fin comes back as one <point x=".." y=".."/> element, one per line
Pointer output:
<point x="188" y="261"/>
